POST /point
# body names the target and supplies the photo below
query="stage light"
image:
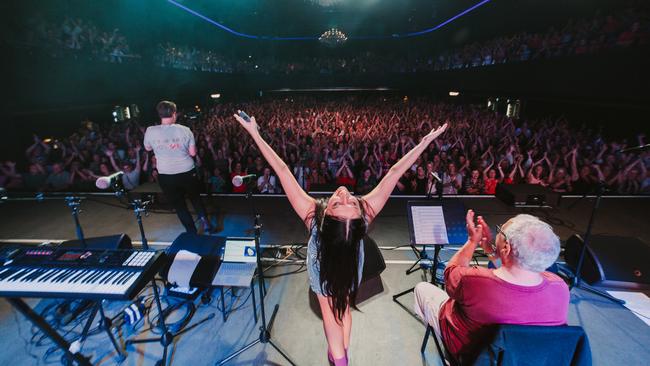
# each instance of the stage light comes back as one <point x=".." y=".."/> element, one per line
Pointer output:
<point x="513" y="108"/>
<point x="454" y="93"/>
<point x="215" y="96"/>
<point x="135" y="111"/>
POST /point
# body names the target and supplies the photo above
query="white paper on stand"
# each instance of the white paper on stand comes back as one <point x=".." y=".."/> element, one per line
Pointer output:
<point x="429" y="225"/>
<point x="182" y="268"/>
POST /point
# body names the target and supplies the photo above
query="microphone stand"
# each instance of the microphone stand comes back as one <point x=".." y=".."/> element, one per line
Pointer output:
<point x="577" y="281"/>
<point x="73" y="203"/>
<point x="167" y="336"/>
<point x="265" y="330"/>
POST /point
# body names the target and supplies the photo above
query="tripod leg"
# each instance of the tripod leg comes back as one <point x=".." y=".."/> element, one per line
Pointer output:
<point x="233" y="355"/>
<point x="223" y="306"/>
<point x="187" y="329"/>
<point x="254" y="303"/>
<point x="163" y="361"/>
<point x="280" y="351"/>
<point x="161" y="318"/>
<point x="434" y="267"/>
<point x="412" y="268"/>
<point x="143" y="340"/>
<point x="395" y="297"/>
<point x="106" y="326"/>
<point x="84" y="333"/>
<point x="272" y="319"/>
<point x="264" y="285"/>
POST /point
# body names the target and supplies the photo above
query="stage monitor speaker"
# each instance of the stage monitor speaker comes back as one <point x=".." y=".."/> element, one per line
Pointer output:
<point x="519" y="195"/>
<point x="611" y="261"/>
<point x="208" y="247"/>
<point x="120" y="241"/>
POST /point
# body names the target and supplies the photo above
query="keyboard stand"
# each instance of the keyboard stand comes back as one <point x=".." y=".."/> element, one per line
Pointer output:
<point x="167" y="336"/>
<point x="69" y="358"/>
<point x="105" y="324"/>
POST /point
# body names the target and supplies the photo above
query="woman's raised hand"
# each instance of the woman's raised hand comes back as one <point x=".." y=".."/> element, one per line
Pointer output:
<point x="435" y="133"/>
<point x="251" y="126"/>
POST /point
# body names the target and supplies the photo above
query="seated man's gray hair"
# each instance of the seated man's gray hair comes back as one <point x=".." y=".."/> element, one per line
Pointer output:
<point x="535" y="246"/>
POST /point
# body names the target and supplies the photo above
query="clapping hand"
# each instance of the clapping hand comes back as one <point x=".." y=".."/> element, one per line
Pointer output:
<point x="479" y="233"/>
<point x="474" y="231"/>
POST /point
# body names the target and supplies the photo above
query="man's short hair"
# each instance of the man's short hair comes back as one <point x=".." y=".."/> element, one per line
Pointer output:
<point x="535" y="246"/>
<point x="166" y="109"/>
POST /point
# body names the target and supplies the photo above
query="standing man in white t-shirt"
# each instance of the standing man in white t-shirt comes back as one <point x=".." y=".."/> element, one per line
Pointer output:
<point x="175" y="149"/>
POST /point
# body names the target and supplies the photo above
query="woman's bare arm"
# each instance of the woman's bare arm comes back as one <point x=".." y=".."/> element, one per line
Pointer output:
<point x="377" y="198"/>
<point x="301" y="202"/>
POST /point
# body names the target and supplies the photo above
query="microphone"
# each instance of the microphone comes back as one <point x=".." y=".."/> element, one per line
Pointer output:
<point x="436" y="177"/>
<point x="238" y="180"/>
<point x="105" y="182"/>
<point x="635" y="149"/>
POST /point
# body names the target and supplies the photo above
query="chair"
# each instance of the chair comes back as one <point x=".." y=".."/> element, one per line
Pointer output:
<point x="526" y="345"/>
<point x="444" y="357"/>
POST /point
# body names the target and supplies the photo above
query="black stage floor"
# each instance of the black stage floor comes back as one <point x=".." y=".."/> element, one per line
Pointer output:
<point x="383" y="333"/>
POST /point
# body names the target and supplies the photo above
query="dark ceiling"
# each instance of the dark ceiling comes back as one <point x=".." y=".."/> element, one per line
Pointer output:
<point x="150" y="22"/>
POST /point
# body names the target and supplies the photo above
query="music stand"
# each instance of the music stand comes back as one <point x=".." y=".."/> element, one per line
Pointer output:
<point x="433" y="224"/>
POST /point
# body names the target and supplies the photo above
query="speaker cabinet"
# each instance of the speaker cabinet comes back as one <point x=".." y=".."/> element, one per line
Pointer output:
<point x="611" y="261"/>
<point x="527" y="195"/>
<point x="121" y="241"/>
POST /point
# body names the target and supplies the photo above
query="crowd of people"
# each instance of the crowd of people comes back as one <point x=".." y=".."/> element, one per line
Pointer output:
<point x="629" y="27"/>
<point x="577" y="37"/>
<point x="351" y="141"/>
<point x="77" y="37"/>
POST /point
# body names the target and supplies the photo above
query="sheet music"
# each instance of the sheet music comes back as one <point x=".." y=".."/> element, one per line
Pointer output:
<point x="429" y="225"/>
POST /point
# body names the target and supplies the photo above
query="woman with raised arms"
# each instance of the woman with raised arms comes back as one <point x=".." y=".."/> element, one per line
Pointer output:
<point x="337" y="226"/>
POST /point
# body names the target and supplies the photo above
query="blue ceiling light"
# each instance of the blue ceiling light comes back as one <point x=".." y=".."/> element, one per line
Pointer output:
<point x="315" y="38"/>
<point x="429" y="30"/>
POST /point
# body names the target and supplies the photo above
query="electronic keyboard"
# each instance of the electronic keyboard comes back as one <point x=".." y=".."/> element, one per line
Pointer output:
<point x="77" y="272"/>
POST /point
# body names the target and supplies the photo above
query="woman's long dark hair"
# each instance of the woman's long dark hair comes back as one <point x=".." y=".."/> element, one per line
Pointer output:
<point x="338" y="256"/>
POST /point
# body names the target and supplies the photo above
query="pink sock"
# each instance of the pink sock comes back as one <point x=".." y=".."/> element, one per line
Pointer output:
<point x="343" y="361"/>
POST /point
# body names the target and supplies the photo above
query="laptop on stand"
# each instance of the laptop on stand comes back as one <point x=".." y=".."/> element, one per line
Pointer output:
<point x="238" y="263"/>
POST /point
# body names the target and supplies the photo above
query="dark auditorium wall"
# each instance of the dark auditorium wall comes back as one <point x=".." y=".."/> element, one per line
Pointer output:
<point x="47" y="94"/>
<point x="619" y="76"/>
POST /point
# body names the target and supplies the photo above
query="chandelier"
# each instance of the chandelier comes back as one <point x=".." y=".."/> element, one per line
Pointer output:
<point x="333" y="37"/>
<point x="326" y="3"/>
